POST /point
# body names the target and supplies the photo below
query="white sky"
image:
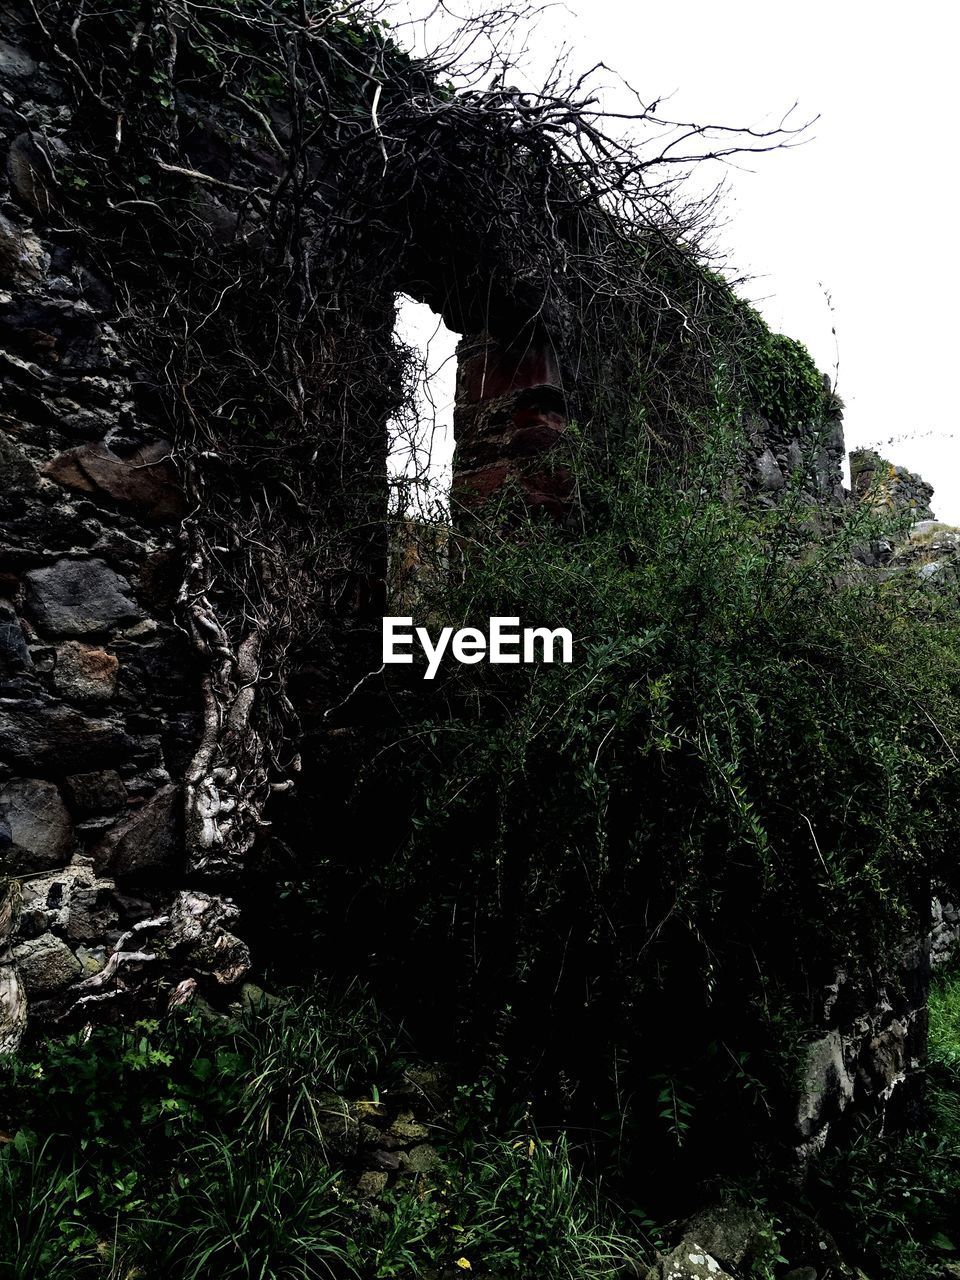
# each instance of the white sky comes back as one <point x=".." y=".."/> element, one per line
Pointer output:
<point x="864" y="210"/>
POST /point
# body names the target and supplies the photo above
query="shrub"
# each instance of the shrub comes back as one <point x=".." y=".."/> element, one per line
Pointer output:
<point x="743" y="782"/>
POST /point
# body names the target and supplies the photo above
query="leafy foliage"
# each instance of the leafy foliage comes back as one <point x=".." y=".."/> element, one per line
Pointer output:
<point x="743" y="781"/>
<point x="199" y="1147"/>
<point x="777" y="374"/>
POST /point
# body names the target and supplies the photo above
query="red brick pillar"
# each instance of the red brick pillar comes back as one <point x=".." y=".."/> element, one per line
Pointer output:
<point x="509" y="414"/>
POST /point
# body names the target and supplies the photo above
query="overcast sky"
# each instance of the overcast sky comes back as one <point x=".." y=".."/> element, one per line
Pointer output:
<point x="864" y="211"/>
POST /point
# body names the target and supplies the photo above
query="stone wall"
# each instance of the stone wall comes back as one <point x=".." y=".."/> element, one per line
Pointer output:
<point x="870" y="1047"/>
<point x="99" y="687"/>
<point x="102" y="702"/>
<point x="814" y="455"/>
<point x="888" y="488"/>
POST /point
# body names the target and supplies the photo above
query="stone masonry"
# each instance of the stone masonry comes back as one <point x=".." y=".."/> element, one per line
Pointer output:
<point x="98" y="687"/>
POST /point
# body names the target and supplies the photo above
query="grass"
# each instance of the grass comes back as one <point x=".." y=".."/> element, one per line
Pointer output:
<point x="42" y="1229"/>
<point x="248" y="1214"/>
<point x="202" y="1148"/>
<point x="944" y="1040"/>
<point x="302" y="1056"/>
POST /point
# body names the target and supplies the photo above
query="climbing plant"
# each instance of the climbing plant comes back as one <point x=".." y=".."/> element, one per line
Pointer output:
<point x="255" y="182"/>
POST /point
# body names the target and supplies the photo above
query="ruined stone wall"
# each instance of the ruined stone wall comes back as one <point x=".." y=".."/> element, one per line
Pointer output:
<point x="777" y="457"/>
<point x="888" y="488"/>
<point x="100" y="687"/>
<point x="98" y="682"/>
<point x="869" y="1049"/>
<point x="101" y="701"/>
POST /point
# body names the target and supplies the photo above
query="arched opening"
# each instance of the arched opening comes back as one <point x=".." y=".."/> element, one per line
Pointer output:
<point x="420" y="439"/>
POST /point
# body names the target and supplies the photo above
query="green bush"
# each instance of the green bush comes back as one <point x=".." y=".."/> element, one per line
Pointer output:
<point x="743" y="782"/>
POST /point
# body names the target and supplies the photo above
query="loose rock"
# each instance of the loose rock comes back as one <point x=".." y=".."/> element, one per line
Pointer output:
<point x="420" y="1159"/>
<point x="372" y="1184"/>
<point x="689" y="1261"/>
<point x="737" y="1237"/>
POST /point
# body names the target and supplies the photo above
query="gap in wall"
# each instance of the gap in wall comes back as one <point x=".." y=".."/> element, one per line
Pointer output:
<point x="420" y="440"/>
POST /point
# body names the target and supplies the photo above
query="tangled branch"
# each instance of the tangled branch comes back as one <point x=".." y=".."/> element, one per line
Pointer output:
<point x="258" y="181"/>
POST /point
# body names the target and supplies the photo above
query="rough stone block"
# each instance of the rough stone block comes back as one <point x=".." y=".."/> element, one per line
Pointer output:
<point x="46" y="735"/>
<point x="769" y="475"/>
<point x="92" y="959"/>
<point x="85" y="673"/>
<point x="420" y="1159"/>
<point x="79" y="598"/>
<point x="31" y="165"/>
<point x="14" y="654"/>
<point x="39" y="824"/>
<point x="15" y="63"/>
<point x="738" y="1238"/>
<point x="73" y="903"/>
<point x="46" y="965"/>
<point x="148" y="845"/>
<point x="17" y="472"/>
<point x="92" y="913"/>
<point x="408" y="1129"/>
<point x="828" y="1084"/>
<point x="145" y="479"/>
<point x="21" y="257"/>
<point x="95" y="793"/>
<point x="689" y="1261"/>
<point x="372" y="1184"/>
